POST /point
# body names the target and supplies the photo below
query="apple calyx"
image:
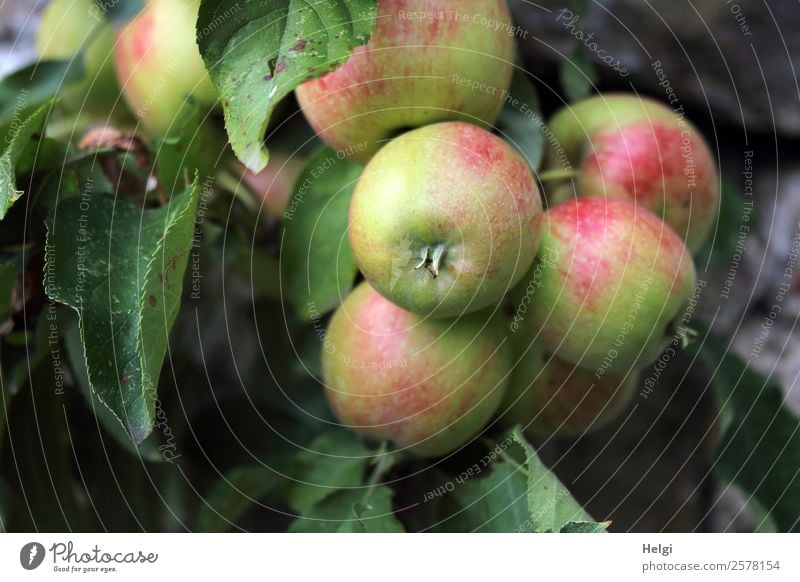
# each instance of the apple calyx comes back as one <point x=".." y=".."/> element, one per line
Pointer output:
<point x="685" y="334"/>
<point x="431" y="259"/>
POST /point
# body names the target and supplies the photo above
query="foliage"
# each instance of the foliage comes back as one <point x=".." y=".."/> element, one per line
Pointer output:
<point x="520" y="121"/>
<point x="759" y="449"/>
<point x="258" y="55"/>
<point x="318" y="267"/>
<point x="578" y="75"/>
<point x="520" y="495"/>
<point x="160" y="337"/>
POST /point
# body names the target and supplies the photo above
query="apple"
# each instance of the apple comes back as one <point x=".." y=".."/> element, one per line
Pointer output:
<point x="551" y="397"/>
<point x="274" y="185"/>
<point x="424" y="63"/>
<point x="445" y="219"/>
<point x="159" y="65"/>
<point x="610" y="287"/>
<point x="73" y="27"/>
<point x="625" y="146"/>
<point x="427" y="385"/>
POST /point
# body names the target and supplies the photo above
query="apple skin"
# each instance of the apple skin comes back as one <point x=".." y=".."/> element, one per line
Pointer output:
<point x="69" y="27"/>
<point x="451" y="187"/>
<point x="274" y="185"/>
<point x="625" y="146"/>
<point x="428" y="385"/>
<point x="159" y="65"/>
<point x="549" y="397"/>
<point x="614" y="287"/>
<point x="407" y="74"/>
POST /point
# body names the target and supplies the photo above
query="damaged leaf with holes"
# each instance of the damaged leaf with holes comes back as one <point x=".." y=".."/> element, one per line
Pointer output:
<point x="257" y="54"/>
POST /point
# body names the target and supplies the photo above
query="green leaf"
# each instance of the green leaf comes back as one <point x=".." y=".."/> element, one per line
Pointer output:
<point x="761" y="517"/>
<point x="19" y="138"/>
<point x="351" y="511"/>
<point x="230" y="497"/>
<point x="261" y="271"/>
<point x="33" y="85"/>
<point x="580" y="7"/>
<point x="737" y="217"/>
<point x="121" y="267"/>
<point x="258" y="54"/>
<point x="577" y="75"/>
<point x="520" y="121"/>
<point x="760" y="446"/>
<point x="496" y="503"/>
<point x="118" y="12"/>
<point x="585" y="527"/>
<point x="550" y="504"/>
<point x="335" y="460"/>
<point x="70" y="332"/>
<point x="193" y="147"/>
<point x="519" y="495"/>
<point x="317" y="264"/>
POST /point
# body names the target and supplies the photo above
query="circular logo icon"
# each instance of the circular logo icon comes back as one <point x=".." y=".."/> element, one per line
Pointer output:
<point x="31" y="555"/>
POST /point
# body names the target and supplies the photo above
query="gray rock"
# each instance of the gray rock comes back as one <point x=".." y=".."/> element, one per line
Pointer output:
<point x="19" y="20"/>
<point x="737" y="59"/>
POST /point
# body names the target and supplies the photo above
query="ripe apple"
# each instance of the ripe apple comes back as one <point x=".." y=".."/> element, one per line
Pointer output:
<point x="72" y="27"/>
<point x="625" y="146"/>
<point x="428" y="385"/>
<point x="445" y="219"/>
<point x="610" y="287"/>
<point x="551" y="397"/>
<point x="159" y="64"/>
<point x="424" y="63"/>
<point x="275" y="183"/>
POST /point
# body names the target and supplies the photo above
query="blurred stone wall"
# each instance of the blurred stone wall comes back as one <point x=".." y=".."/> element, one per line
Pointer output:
<point x="18" y="19"/>
<point x="736" y="59"/>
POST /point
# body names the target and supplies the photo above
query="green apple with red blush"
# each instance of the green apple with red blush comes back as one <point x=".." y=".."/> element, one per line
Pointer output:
<point x="70" y="28"/>
<point x="613" y="291"/>
<point x="423" y="64"/>
<point x="549" y="397"/>
<point x="159" y="65"/>
<point x="445" y="219"/>
<point x="626" y="146"/>
<point x="427" y="385"/>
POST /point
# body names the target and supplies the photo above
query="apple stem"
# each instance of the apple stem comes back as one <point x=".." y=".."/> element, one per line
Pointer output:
<point x="558" y="174"/>
<point x="383" y="459"/>
<point x="432" y="262"/>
